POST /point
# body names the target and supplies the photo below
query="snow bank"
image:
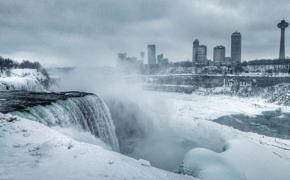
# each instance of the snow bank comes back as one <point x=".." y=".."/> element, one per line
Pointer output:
<point x="82" y="136"/>
<point x="30" y="150"/>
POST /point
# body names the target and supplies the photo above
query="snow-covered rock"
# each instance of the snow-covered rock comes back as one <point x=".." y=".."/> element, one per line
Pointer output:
<point x="243" y="160"/>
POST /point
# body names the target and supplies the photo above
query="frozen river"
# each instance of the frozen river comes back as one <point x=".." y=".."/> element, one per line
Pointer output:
<point x="163" y="127"/>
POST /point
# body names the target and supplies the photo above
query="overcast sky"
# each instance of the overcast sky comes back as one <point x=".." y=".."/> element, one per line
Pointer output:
<point x="86" y="32"/>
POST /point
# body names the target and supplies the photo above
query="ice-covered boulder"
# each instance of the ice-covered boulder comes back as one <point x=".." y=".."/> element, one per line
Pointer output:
<point x="243" y="160"/>
<point x="208" y="165"/>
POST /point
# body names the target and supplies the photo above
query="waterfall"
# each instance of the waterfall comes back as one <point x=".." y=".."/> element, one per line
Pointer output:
<point x="88" y="113"/>
<point x="20" y="83"/>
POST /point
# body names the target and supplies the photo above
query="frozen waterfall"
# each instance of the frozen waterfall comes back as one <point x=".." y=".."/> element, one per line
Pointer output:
<point x="20" y="83"/>
<point x="88" y="113"/>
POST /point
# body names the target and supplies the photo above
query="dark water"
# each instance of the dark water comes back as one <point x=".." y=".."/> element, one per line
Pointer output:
<point x="269" y="123"/>
<point x="19" y="100"/>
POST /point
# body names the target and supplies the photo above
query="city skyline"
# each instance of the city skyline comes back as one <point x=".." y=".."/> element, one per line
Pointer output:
<point x="60" y="32"/>
<point x="199" y="52"/>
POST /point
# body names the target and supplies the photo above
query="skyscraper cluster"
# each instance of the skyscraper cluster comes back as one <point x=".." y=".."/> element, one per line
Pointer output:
<point x="151" y="49"/>
<point x="161" y="60"/>
<point x="129" y="61"/>
<point x="199" y="52"/>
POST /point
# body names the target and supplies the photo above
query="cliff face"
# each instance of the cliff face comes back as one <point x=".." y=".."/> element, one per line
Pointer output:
<point x="273" y="89"/>
<point x="211" y="81"/>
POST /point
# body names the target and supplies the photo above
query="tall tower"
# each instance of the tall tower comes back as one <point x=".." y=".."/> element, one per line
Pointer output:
<point x="236" y="47"/>
<point x="142" y="54"/>
<point x="151" y="54"/>
<point x="282" y="25"/>
<point x="195" y="46"/>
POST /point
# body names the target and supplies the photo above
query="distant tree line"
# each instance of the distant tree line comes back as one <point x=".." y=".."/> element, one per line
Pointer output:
<point x="266" y="62"/>
<point x="7" y="63"/>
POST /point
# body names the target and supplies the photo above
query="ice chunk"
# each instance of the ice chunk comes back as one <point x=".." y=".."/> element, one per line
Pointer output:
<point x="143" y="162"/>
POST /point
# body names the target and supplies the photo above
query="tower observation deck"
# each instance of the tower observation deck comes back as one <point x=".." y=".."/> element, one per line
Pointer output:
<point x="282" y="25"/>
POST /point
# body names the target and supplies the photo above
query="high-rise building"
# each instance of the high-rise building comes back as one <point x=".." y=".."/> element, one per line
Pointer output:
<point x="142" y="55"/>
<point x="159" y="58"/>
<point x="236" y="47"/>
<point x="219" y="54"/>
<point x="151" y="54"/>
<point x="121" y="58"/>
<point x="228" y="60"/>
<point x="282" y="25"/>
<point x="199" y="53"/>
<point x="194" y="50"/>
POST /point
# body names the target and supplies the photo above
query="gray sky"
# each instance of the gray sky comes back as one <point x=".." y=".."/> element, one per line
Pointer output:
<point x="86" y="32"/>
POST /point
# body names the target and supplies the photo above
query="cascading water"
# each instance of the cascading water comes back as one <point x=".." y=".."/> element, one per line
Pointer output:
<point x="88" y="113"/>
<point x="21" y="83"/>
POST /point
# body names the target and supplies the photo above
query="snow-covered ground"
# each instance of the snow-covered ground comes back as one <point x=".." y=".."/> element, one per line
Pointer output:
<point x="30" y="150"/>
<point x="22" y="79"/>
